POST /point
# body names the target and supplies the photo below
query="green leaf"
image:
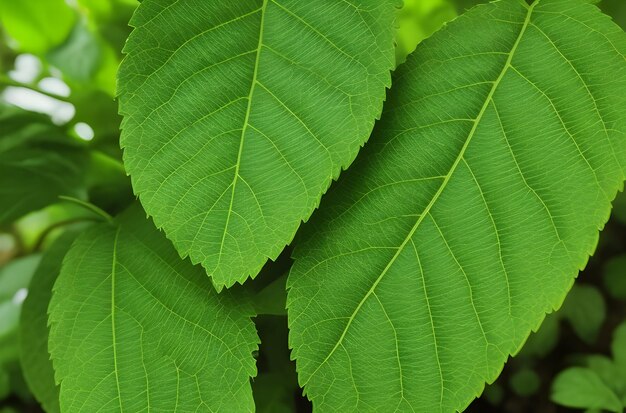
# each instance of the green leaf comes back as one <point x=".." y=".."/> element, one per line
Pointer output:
<point x="134" y="327"/>
<point x="608" y="372"/>
<point x="34" y="354"/>
<point x="581" y="388"/>
<point x="418" y="20"/>
<point x="615" y="277"/>
<point x="38" y="162"/>
<point x="239" y="114"/>
<point x="5" y="383"/>
<point x="14" y="279"/>
<point x="619" y="347"/>
<point x="79" y="57"/>
<point x="32" y="179"/>
<point x="37" y="25"/>
<point x="525" y="382"/>
<point x="585" y="310"/>
<point x="468" y="215"/>
<point x="616" y="9"/>
<point x="271" y="300"/>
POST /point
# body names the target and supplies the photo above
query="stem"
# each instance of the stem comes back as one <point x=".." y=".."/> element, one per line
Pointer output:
<point x="88" y="206"/>
<point x="57" y="225"/>
<point x="111" y="160"/>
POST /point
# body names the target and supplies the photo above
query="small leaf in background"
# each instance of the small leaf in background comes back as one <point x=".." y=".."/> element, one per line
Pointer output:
<point x="37" y="25"/>
<point x="418" y="20"/>
<point x="87" y="61"/>
<point x="585" y="310"/>
<point x="34" y="355"/>
<point x="582" y="388"/>
<point x="272" y="299"/>
<point x="79" y="56"/>
<point x="5" y="384"/>
<point x="609" y="372"/>
<point x="618" y="347"/>
<point x="105" y="10"/>
<point x="600" y="385"/>
<point x="494" y="393"/>
<point x="525" y="382"/>
<point x="38" y="162"/>
<point x="14" y="280"/>
<point x="615" y="277"/>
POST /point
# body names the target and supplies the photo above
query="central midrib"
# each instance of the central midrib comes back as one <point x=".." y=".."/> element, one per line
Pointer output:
<point x="244" y="129"/>
<point x="436" y="196"/>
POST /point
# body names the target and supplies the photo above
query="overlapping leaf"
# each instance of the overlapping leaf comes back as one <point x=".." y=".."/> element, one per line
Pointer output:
<point x="469" y="214"/>
<point x="239" y="114"/>
<point x="37" y="164"/>
<point x="135" y="328"/>
<point x="34" y="355"/>
<point x="37" y="25"/>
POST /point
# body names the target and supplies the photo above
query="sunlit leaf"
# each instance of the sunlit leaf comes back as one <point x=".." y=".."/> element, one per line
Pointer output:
<point x="134" y="328"/>
<point x="37" y="25"/>
<point x="239" y="114"/>
<point x="469" y="213"/>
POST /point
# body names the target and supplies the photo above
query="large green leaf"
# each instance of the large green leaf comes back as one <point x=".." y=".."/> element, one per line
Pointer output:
<point x="34" y="354"/>
<point x="239" y="114"/>
<point x="470" y="212"/>
<point x="135" y="328"/>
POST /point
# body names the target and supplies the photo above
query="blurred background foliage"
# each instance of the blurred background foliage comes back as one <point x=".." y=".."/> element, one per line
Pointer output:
<point x="59" y="132"/>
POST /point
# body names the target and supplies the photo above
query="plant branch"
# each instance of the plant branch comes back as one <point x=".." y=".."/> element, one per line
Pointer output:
<point x="42" y="237"/>
<point x="88" y="206"/>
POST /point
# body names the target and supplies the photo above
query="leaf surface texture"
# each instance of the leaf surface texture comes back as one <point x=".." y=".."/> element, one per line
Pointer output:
<point x="135" y="328"/>
<point x="239" y="114"/>
<point x="468" y="215"/>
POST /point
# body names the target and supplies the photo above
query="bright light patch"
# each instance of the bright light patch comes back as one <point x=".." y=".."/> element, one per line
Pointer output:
<point x="60" y="112"/>
<point x="19" y="296"/>
<point x="54" y="86"/>
<point x="27" y="68"/>
<point x="84" y="131"/>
